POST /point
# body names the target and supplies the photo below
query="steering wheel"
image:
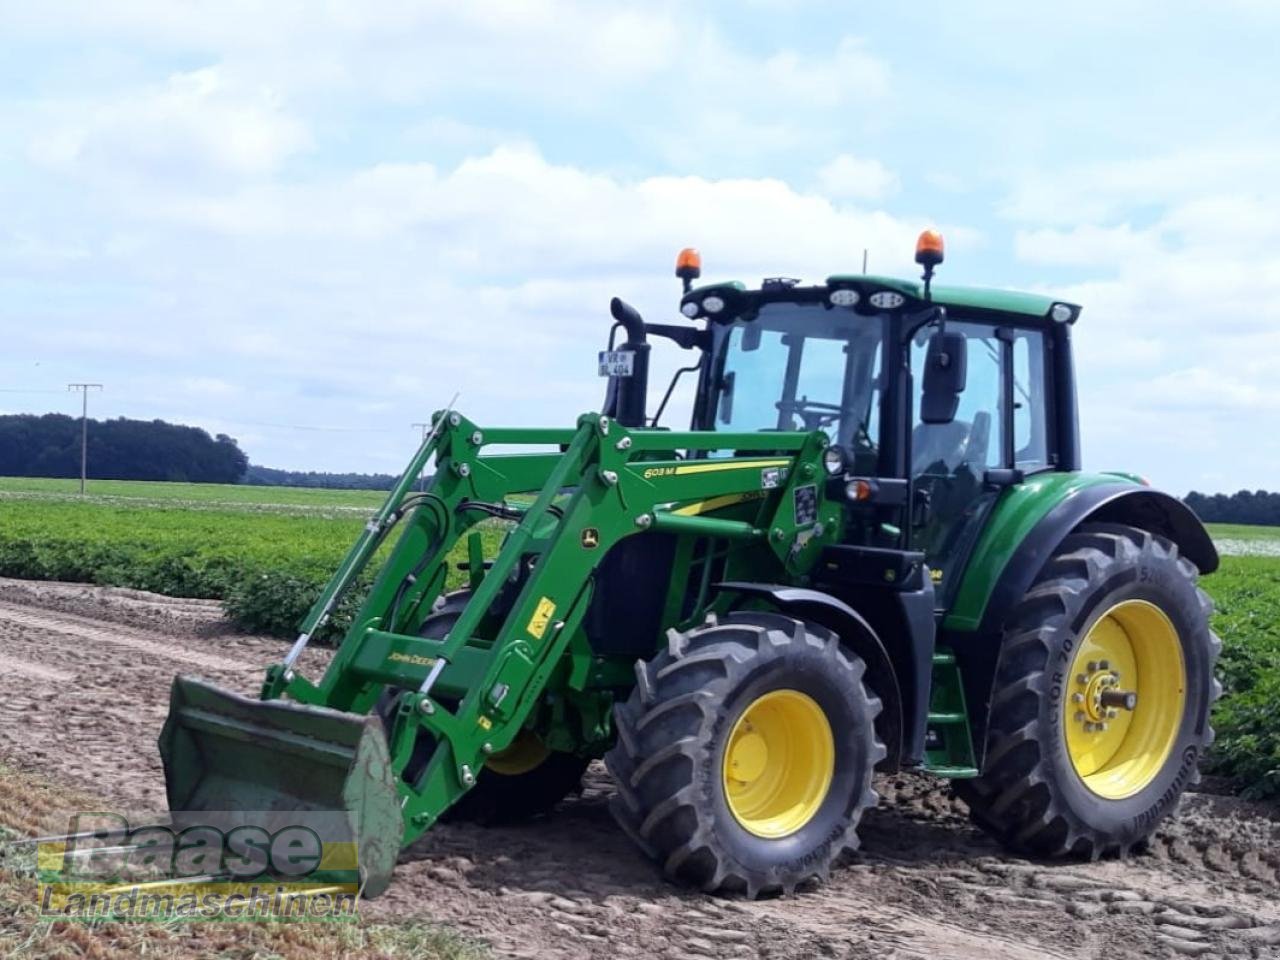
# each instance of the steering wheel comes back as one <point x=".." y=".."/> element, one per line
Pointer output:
<point x="815" y="413"/>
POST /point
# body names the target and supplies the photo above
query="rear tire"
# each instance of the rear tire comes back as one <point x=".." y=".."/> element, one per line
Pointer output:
<point x="744" y="754"/>
<point x="517" y="784"/>
<point x="1064" y="774"/>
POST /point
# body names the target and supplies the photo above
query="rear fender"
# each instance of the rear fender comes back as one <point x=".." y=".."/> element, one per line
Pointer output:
<point x="857" y="635"/>
<point x="1134" y="506"/>
<point x="1090" y="499"/>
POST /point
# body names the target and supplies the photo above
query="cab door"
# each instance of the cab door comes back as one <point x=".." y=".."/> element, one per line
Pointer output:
<point x="1000" y="424"/>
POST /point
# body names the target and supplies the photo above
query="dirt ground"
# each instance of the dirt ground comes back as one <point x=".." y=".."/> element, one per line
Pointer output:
<point x="84" y="677"/>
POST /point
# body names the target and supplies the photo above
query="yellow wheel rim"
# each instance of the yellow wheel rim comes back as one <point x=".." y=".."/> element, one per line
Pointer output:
<point x="1126" y="695"/>
<point x="526" y="752"/>
<point x="778" y="763"/>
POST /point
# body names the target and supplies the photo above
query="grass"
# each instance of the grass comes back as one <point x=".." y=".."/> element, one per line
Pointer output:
<point x="24" y="933"/>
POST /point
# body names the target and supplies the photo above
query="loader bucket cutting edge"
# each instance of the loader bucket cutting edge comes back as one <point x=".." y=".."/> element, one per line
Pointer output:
<point x="226" y="752"/>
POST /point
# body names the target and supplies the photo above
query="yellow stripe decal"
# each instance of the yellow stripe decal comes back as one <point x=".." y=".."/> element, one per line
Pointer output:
<point x="710" y="467"/>
<point x="715" y="503"/>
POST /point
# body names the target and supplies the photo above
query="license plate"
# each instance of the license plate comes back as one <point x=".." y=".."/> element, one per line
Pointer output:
<point x="617" y="363"/>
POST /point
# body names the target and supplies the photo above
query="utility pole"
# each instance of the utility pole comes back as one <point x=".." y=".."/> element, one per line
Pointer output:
<point x="422" y="477"/>
<point x="84" y="389"/>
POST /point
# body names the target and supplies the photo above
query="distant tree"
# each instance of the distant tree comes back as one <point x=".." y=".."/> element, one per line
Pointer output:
<point x="1258" y="507"/>
<point x="270" y="477"/>
<point x="121" y="449"/>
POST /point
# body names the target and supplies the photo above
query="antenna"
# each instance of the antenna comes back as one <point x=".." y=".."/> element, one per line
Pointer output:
<point x="864" y="260"/>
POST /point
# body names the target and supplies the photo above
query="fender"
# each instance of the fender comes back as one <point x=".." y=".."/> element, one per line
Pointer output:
<point x="1079" y="499"/>
<point x="856" y="634"/>
<point x="1031" y="519"/>
<point x="1141" y="507"/>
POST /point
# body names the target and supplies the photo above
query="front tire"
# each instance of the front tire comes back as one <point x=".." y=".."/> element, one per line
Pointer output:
<point x="1100" y="708"/>
<point x="745" y="753"/>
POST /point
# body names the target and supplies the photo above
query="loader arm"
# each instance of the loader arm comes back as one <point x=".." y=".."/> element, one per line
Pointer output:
<point x="471" y="693"/>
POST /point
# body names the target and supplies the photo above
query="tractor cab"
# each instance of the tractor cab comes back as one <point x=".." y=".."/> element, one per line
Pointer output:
<point x="933" y="399"/>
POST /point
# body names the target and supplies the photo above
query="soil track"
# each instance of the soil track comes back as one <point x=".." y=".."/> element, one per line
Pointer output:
<point x="84" y="677"/>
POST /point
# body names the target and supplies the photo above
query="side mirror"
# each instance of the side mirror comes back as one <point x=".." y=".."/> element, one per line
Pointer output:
<point x="946" y="366"/>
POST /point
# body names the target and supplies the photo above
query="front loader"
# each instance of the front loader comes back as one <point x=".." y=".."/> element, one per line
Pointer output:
<point x="874" y="550"/>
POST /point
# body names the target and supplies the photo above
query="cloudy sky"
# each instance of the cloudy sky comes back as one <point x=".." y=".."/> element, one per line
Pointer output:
<point x="309" y="224"/>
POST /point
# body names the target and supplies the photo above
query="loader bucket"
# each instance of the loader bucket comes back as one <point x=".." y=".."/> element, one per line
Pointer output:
<point x="225" y="752"/>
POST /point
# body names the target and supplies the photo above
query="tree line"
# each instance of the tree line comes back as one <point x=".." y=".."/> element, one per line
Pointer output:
<point x="1247" y="506"/>
<point x="48" y="445"/>
<point x="271" y="477"/>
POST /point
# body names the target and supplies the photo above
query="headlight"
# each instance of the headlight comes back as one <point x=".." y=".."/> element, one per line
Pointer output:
<point x="887" y="299"/>
<point x="689" y="309"/>
<point x="844" y="297"/>
<point x="833" y="461"/>
<point x="1061" y="313"/>
<point x="713" y="304"/>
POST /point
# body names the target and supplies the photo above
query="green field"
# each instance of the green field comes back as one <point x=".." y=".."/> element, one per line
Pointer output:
<point x="1241" y="540"/>
<point x="191" y="493"/>
<point x="267" y="551"/>
<point x="264" y="551"/>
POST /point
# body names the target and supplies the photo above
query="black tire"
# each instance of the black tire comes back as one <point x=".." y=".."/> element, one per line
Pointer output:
<point x="497" y="798"/>
<point x="1030" y="795"/>
<point x="672" y="735"/>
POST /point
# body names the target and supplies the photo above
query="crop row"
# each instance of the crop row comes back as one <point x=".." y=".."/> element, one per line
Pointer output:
<point x="266" y="567"/>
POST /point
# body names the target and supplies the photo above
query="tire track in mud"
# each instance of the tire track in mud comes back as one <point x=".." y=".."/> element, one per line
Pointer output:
<point x="34" y="671"/>
<point x="90" y="694"/>
<point x="926" y="884"/>
<point x="83" y="628"/>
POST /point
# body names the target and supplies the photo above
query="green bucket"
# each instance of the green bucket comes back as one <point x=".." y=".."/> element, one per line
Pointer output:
<point x="225" y="752"/>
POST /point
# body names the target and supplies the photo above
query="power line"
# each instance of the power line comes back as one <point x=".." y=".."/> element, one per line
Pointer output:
<point x="84" y="389"/>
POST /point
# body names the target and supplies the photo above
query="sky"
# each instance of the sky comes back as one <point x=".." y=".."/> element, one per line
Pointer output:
<point x="308" y="225"/>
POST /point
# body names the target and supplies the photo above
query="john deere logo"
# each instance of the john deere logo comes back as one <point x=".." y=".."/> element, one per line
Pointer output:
<point x="590" y="538"/>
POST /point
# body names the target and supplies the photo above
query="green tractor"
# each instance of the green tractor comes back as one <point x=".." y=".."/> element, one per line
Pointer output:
<point x="874" y="550"/>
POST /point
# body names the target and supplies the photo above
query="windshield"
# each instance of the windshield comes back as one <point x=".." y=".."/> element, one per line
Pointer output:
<point x="804" y="366"/>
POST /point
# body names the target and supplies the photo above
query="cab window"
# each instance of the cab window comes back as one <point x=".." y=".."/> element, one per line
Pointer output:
<point x="805" y="366"/>
<point x="1030" y="420"/>
<point x="973" y="441"/>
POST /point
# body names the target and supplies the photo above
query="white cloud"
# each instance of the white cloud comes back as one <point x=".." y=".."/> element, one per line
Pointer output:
<point x="1103" y="190"/>
<point x="375" y="294"/>
<point x="196" y="121"/>
<point x="848" y="177"/>
<point x="1083" y="246"/>
<point x="1181" y="328"/>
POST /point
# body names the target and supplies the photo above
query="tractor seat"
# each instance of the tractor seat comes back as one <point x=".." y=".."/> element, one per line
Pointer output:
<point x="935" y="444"/>
<point x="941" y="449"/>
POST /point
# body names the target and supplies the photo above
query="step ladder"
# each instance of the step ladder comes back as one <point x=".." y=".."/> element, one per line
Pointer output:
<point x="948" y="744"/>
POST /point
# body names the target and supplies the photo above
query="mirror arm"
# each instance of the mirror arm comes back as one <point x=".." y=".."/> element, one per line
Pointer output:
<point x="675" y="378"/>
<point x="936" y="314"/>
<point x="685" y="337"/>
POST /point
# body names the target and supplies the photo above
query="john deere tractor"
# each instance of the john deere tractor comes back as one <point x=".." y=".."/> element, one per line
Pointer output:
<point x="874" y="550"/>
